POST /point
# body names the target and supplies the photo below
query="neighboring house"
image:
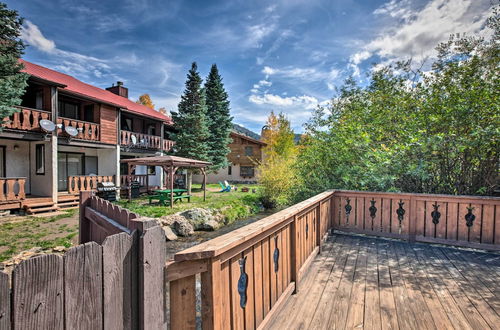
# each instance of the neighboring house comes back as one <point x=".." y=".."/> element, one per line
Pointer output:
<point x="43" y="171"/>
<point x="246" y="153"/>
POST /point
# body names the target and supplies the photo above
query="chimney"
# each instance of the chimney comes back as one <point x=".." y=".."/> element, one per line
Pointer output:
<point x="119" y="89"/>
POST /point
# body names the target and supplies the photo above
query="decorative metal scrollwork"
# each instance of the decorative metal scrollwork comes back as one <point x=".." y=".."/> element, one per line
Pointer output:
<point x="307" y="230"/>
<point x="401" y="213"/>
<point x="243" y="283"/>
<point x="276" y="254"/>
<point x="348" y="209"/>
<point x="470" y="217"/>
<point x="373" y="210"/>
<point x="435" y="214"/>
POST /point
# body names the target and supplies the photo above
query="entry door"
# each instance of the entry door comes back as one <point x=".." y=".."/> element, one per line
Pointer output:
<point x="69" y="164"/>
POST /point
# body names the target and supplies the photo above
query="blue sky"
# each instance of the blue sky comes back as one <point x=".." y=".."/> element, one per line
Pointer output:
<point x="286" y="55"/>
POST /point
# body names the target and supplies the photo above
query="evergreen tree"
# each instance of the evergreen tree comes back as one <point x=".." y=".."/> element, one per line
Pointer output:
<point x="190" y="122"/>
<point x="219" y="120"/>
<point x="12" y="80"/>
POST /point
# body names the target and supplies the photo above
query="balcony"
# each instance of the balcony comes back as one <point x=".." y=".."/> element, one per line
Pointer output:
<point x="86" y="130"/>
<point x="12" y="189"/>
<point x="26" y="119"/>
<point x="144" y="141"/>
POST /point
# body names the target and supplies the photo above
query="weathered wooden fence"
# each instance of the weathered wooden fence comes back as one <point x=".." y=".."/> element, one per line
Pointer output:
<point x="468" y="221"/>
<point x="99" y="284"/>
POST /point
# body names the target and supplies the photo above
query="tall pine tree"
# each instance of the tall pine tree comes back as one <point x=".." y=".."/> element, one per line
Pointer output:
<point x="219" y="120"/>
<point x="190" y="121"/>
<point x="12" y="81"/>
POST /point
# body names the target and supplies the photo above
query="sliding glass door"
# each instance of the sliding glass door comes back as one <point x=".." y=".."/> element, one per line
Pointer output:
<point x="68" y="164"/>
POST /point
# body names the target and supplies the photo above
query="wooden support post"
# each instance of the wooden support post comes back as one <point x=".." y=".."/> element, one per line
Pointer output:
<point x="204" y="184"/>
<point x="84" y="230"/>
<point x="294" y="263"/>
<point x="211" y="299"/>
<point x="318" y="227"/>
<point x="171" y="186"/>
<point x="129" y="179"/>
<point x="412" y="226"/>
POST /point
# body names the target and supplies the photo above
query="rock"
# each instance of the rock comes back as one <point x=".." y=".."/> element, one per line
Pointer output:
<point x="168" y="220"/>
<point x="209" y="225"/>
<point x="203" y="219"/>
<point x="169" y="233"/>
<point x="59" y="249"/>
<point x="182" y="227"/>
<point x="5" y="213"/>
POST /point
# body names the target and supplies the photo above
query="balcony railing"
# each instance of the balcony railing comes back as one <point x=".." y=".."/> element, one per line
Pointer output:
<point x="86" y="130"/>
<point x="26" y="119"/>
<point x="144" y="141"/>
<point x="12" y="189"/>
<point x="86" y="182"/>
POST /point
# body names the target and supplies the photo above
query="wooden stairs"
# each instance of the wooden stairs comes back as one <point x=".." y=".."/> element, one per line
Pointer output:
<point x="38" y="205"/>
<point x="67" y="201"/>
<point x="45" y="205"/>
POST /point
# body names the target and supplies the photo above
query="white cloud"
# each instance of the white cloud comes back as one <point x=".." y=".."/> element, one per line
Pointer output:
<point x="415" y="32"/>
<point x="257" y="33"/>
<point x="304" y="74"/>
<point x="304" y="101"/>
<point x="32" y="35"/>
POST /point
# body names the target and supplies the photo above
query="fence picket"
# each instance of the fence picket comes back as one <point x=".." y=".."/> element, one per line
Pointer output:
<point x="37" y="293"/>
<point x="4" y="301"/>
<point x="83" y="287"/>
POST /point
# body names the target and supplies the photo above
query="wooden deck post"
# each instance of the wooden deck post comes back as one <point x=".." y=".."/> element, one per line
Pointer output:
<point x="412" y="226"/>
<point x="318" y="227"/>
<point x="84" y="231"/>
<point x="171" y="186"/>
<point x="293" y="255"/>
<point x="211" y="313"/>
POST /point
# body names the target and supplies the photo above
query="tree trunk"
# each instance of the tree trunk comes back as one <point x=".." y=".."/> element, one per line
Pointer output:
<point x="189" y="182"/>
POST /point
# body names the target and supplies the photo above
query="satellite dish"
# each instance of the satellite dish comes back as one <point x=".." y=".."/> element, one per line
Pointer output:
<point x="47" y="125"/>
<point x="134" y="139"/>
<point x="71" y="131"/>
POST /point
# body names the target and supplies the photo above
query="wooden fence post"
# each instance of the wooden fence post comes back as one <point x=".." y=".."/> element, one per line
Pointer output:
<point x="84" y="232"/>
<point x="412" y="226"/>
<point x="318" y="227"/>
<point x="293" y="255"/>
<point x="211" y="313"/>
<point x="5" y="322"/>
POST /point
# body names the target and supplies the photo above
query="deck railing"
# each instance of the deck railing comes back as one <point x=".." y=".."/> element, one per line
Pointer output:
<point x="12" y="189"/>
<point x="86" y="182"/>
<point x="86" y="130"/>
<point x="469" y="221"/>
<point x="168" y="145"/>
<point x="248" y="273"/>
<point x="26" y="119"/>
<point x="143" y="141"/>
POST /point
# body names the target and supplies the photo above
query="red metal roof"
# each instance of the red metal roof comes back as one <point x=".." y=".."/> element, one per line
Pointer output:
<point x="75" y="86"/>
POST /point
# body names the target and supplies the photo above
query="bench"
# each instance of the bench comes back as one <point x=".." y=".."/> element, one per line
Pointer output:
<point x="162" y="198"/>
<point x="181" y="197"/>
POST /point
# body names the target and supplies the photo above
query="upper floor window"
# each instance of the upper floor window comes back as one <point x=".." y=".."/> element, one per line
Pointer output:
<point x="126" y="124"/>
<point x="69" y="109"/>
<point x="248" y="151"/>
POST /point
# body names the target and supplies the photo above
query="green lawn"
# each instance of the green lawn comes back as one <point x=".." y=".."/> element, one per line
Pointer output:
<point x="23" y="233"/>
<point x="234" y="205"/>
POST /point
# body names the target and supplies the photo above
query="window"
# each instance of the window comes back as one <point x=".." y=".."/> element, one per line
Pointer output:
<point x="88" y="113"/>
<point x="151" y="129"/>
<point x="40" y="159"/>
<point x="39" y="100"/>
<point x="229" y="170"/>
<point x="68" y="110"/>
<point x="2" y="162"/>
<point x="90" y="165"/>
<point x="247" y="171"/>
<point x="248" y="151"/>
<point x="152" y="170"/>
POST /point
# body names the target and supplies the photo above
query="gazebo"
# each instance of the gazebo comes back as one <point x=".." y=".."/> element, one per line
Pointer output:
<point x="170" y="165"/>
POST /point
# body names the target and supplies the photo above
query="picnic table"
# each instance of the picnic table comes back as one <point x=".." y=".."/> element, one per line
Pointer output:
<point x="164" y="196"/>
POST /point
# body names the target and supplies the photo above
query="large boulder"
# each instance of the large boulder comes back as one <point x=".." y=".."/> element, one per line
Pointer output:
<point x="202" y="219"/>
<point x="182" y="227"/>
<point x="168" y="220"/>
<point x="169" y="233"/>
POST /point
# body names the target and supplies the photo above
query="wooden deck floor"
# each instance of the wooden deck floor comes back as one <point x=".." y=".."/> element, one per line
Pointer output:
<point x="359" y="282"/>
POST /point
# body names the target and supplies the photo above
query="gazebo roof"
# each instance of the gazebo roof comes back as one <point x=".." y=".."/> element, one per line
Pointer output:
<point x="166" y="161"/>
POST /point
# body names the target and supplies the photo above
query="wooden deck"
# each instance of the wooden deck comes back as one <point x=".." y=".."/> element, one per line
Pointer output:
<point x="359" y="282"/>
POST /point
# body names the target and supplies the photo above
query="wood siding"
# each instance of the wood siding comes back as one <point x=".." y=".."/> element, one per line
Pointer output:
<point x="109" y="124"/>
<point x="237" y="154"/>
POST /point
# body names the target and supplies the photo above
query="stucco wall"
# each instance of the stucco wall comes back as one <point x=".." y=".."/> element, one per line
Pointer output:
<point x="41" y="184"/>
<point x="17" y="160"/>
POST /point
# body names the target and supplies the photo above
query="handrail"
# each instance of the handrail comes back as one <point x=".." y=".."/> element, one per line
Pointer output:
<point x="12" y="189"/>
<point x="86" y="130"/>
<point x="26" y="119"/>
<point x="145" y="141"/>
<point x="221" y="244"/>
<point x="86" y="182"/>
